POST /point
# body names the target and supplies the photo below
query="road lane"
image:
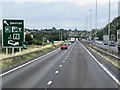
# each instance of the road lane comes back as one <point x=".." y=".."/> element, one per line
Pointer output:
<point x="29" y="76"/>
<point x="81" y="71"/>
<point x="73" y="68"/>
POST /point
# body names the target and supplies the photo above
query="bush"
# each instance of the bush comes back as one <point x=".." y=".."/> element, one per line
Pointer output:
<point x="28" y="38"/>
<point x="36" y="42"/>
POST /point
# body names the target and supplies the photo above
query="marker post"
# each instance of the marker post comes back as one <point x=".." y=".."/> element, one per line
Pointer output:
<point x="6" y="51"/>
<point x="20" y="50"/>
<point x="13" y="51"/>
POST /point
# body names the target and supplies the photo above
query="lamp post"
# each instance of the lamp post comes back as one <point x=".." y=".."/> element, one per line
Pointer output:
<point x="90" y="23"/>
<point x="109" y="28"/>
<point x="43" y="41"/>
<point x="96" y="21"/>
<point x="109" y="23"/>
<point x="59" y="34"/>
<point x="86" y="23"/>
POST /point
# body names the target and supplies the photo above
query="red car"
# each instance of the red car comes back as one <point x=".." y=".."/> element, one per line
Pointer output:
<point x="64" y="47"/>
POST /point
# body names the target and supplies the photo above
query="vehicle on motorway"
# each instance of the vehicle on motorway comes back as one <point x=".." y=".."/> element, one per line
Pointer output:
<point x="64" y="47"/>
<point x="105" y="39"/>
<point x="98" y="42"/>
<point x="118" y="39"/>
<point x="69" y="43"/>
<point x="72" y="40"/>
<point x="112" y="43"/>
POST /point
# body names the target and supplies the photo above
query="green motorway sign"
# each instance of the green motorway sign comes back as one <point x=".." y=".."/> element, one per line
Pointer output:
<point x="13" y="33"/>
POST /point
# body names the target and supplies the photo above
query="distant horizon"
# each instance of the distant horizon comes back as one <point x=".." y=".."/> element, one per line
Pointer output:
<point x="56" y="28"/>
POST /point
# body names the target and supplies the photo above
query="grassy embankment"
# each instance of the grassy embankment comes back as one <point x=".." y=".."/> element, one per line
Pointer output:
<point x="32" y="52"/>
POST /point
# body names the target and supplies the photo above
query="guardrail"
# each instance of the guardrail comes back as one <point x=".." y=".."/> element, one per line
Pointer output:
<point x="115" y="60"/>
<point x="40" y="50"/>
<point x="110" y="52"/>
<point x="13" y="57"/>
<point x="10" y="62"/>
<point x="19" y="59"/>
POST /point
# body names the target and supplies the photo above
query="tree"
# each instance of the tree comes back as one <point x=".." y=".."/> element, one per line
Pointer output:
<point x="28" y="38"/>
<point x="53" y="28"/>
<point x="100" y="34"/>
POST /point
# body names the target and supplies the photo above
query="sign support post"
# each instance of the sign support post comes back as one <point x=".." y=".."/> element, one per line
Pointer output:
<point x="6" y="51"/>
<point x="13" y="51"/>
<point x="20" y="50"/>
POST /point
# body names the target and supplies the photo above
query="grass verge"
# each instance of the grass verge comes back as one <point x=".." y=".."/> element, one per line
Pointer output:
<point x="10" y="62"/>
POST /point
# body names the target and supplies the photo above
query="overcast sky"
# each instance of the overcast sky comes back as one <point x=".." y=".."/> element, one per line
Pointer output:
<point x="68" y="14"/>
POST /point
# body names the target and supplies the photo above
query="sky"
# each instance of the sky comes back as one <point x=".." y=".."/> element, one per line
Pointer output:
<point x="67" y="14"/>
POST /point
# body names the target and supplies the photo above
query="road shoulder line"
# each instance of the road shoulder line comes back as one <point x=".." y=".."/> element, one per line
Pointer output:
<point x="27" y="63"/>
<point x="104" y="68"/>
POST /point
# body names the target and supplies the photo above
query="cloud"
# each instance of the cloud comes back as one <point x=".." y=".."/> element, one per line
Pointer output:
<point x="84" y="2"/>
<point x="58" y="13"/>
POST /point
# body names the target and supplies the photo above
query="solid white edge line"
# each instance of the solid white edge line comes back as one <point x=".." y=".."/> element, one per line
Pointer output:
<point x="63" y="61"/>
<point x="26" y="63"/>
<point x="56" y="72"/>
<point x="49" y="83"/>
<point x="104" y="68"/>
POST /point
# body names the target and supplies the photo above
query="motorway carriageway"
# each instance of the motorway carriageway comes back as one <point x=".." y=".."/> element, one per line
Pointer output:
<point x="72" y="68"/>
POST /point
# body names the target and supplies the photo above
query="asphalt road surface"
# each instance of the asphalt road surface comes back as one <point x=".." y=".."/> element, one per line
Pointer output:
<point x="72" y="68"/>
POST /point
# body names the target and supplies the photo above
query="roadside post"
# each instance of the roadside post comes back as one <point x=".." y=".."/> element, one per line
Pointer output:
<point x="13" y="51"/>
<point x="20" y="50"/>
<point x="52" y="41"/>
<point x="6" y="51"/>
<point x="12" y="34"/>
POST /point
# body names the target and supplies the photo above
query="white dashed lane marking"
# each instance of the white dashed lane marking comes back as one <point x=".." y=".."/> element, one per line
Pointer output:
<point x="49" y="83"/>
<point x="60" y="65"/>
<point x="23" y="65"/>
<point x="56" y="72"/>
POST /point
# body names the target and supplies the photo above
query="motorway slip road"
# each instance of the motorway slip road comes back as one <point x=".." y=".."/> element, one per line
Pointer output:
<point x="72" y="68"/>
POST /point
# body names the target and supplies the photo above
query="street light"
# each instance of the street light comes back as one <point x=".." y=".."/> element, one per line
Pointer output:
<point x="43" y="41"/>
<point x="109" y="23"/>
<point x="90" y="23"/>
<point x="86" y="23"/>
<point x="96" y="21"/>
<point x="59" y="34"/>
<point x="109" y="28"/>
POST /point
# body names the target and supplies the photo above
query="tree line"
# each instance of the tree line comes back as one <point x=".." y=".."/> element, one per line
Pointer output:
<point x="114" y="26"/>
<point x="46" y="34"/>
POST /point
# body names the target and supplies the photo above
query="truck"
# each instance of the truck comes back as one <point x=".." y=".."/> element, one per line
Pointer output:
<point x="105" y="39"/>
<point x="118" y="39"/>
<point x="72" y="40"/>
